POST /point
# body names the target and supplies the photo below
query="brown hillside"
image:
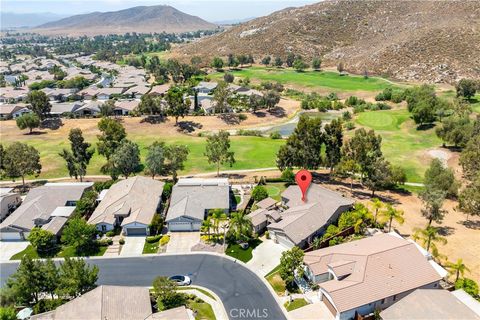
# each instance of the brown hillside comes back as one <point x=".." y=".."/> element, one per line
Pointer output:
<point x="436" y="41"/>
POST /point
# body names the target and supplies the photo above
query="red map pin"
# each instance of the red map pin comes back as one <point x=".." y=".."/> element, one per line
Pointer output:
<point x="303" y="179"/>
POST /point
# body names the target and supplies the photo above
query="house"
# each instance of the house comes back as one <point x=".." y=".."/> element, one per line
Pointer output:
<point x="89" y="109"/>
<point x="369" y="274"/>
<point x="113" y="302"/>
<point x="262" y="217"/>
<point x="58" y="94"/>
<point x="137" y="91"/>
<point x="192" y="198"/>
<point x="205" y="87"/>
<point x="61" y="108"/>
<point x="129" y="203"/>
<point x="9" y="201"/>
<point x="13" y="111"/>
<point x="304" y="220"/>
<point x="41" y="206"/>
<point x="107" y="93"/>
<point x="430" y="304"/>
<point x="12" y="95"/>
<point x="160" y="90"/>
<point x="124" y="107"/>
<point x="266" y="203"/>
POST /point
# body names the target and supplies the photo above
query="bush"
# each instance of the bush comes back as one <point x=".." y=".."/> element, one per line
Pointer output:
<point x="359" y="108"/>
<point x="346" y="116"/>
<point x="332" y="96"/>
<point x="101" y="185"/>
<point x="259" y="193"/>
<point x="110" y="233"/>
<point x="105" y="242"/>
<point x="349" y="125"/>
<point x="164" y="240"/>
<point x="383" y="106"/>
<point x="167" y="190"/>
<point x="275" y="135"/>
<point x="228" y="77"/>
<point x="468" y="285"/>
<point x="267" y="234"/>
<point x="288" y="175"/>
<point x="121" y="241"/>
<point x="397" y="97"/>
<point x="252" y="133"/>
<point x="353" y="101"/>
<point x="46" y="305"/>
<point x="153" y="239"/>
<point x="380" y="97"/>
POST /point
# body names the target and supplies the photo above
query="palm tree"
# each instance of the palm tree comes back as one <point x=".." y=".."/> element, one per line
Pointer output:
<point x="376" y="206"/>
<point x="241" y="225"/>
<point x="207" y="225"/>
<point x="390" y="214"/>
<point x="363" y="216"/>
<point x="458" y="268"/>
<point x="430" y="236"/>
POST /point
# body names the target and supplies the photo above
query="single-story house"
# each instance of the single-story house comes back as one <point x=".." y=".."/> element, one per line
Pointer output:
<point x="124" y="107"/>
<point x="61" y="108"/>
<point x="131" y="204"/>
<point x="90" y="108"/>
<point x="13" y="111"/>
<point x="362" y="276"/>
<point x="205" y="87"/>
<point x="9" y="201"/>
<point x="203" y="101"/>
<point x="430" y="304"/>
<point x="12" y="95"/>
<point x="137" y="91"/>
<point x="58" y="94"/>
<point x="266" y="203"/>
<point x="304" y="220"/>
<point x="41" y="206"/>
<point x="192" y="198"/>
<point x="160" y="90"/>
<point x="107" y="93"/>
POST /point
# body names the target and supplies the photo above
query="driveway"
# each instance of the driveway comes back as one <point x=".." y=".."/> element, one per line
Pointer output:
<point x="238" y="288"/>
<point x="182" y="242"/>
<point x="266" y="257"/>
<point x="133" y="246"/>
<point x="319" y="309"/>
<point x="9" y="248"/>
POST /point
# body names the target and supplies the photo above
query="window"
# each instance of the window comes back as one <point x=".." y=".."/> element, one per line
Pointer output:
<point x="395" y="298"/>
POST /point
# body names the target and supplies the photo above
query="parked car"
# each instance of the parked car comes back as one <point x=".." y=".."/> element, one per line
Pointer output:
<point x="181" y="280"/>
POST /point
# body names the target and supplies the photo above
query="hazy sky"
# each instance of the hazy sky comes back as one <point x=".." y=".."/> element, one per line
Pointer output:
<point x="212" y="10"/>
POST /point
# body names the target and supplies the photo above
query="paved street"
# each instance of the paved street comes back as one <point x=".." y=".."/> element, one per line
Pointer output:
<point x="238" y="288"/>
<point x="9" y="248"/>
<point x="182" y="242"/>
<point x="133" y="246"/>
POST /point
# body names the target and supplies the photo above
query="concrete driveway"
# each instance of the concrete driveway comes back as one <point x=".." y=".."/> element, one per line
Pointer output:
<point x="266" y="257"/>
<point x="182" y="242"/>
<point x="133" y="246"/>
<point x="318" y="309"/>
<point x="9" y="248"/>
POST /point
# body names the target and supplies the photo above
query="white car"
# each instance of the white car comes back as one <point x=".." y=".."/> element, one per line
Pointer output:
<point x="181" y="280"/>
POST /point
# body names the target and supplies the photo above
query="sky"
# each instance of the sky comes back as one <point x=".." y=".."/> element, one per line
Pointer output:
<point x="211" y="10"/>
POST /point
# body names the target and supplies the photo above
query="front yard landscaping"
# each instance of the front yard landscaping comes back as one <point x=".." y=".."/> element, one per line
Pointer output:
<point x="278" y="284"/>
<point x="203" y="310"/>
<point x="64" y="252"/>
<point x="152" y="244"/>
<point x="245" y="255"/>
<point x="295" y="304"/>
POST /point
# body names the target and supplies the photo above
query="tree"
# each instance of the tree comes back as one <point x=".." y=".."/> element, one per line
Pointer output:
<point x="28" y="121"/>
<point x="458" y="268"/>
<point x="175" y="156"/>
<point x="166" y="294"/>
<point x="379" y="176"/>
<point x="433" y="201"/>
<point x="2" y="159"/>
<point x="290" y="59"/>
<point x="291" y="264"/>
<point x="87" y="203"/>
<point x="8" y="313"/>
<point x="41" y="240"/>
<point x="469" y="198"/>
<point x="364" y="148"/>
<point x="266" y="60"/>
<point x="112" y="135"/>
<point x="80" y="235"/>
<point x="278" y="62"/>
<point x="150" y="104"/>
<point x="39" y="103"/>
<point x="259" y="193"/>
<point x="256" y="102"/>
<point x="76" y="277"/>
<point x="228" y="77"/>
<point x="241" y="226"/>
<point x="177" y="105"/>
<point x="469" y="158"/>
<point x="340" y="67"/>
<point x="232" y="61"/>
<point x="27" y="282"/>
<point x="438" y="177"/>
<point x="218" y="151"/>
<point x="316" y="63"/>
<point x="217" y="63"/>
<point x="220" y="96"/>
<point x="466" y="88"/>
<point x="468" y="285"/>
<point x="303" y="147"/>
<point x="155" y="160"/>
<point x="348" y="168"/>
<point x="299" y="65"/>
<point x="271" y="98"/>
<point x="126" y="158"/>
<point x="429" y="236"/>
<point x="377" y="205"/>
<point x="51" y="277"/>
<point x="79" y="156"/>
<point x="107" y="108"/>
<point x="21" y="160"/>
<point x="333" y="143"/>
<point x="242" y="59"/>
<point x="455" y="130"/>
<point x="288" y="176"/>
<point x="391" y="214"/>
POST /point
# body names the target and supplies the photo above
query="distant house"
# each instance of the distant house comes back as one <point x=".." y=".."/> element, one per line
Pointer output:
<point x="431" y="304"/>
<point x="202" y="101"/>
<point x="13" y="111"/>
<point x="107" y="93"/>
<point x="129" y="203"/>
<point x="205" y="87"/>
<point x="89" y="109"/>
<point x="62" y="108"/>
<point x="125" y="107"/>
<point x="160" y="90"/>
<point x="42" y="205"/>
<point x="137" y="91"/>
<point x="57" y="94"/>
<point x="192" y="198"/>
<point x="12" y="95"/>
<point x="303" y="221"/>
<point x="9" y="201"/>
<point x="369" y="274"/>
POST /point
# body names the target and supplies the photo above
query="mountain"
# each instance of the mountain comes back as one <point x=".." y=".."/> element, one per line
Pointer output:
<point x="137" y="19"/>
<point x="435" y="41"/>
<point x="12" y="20"/>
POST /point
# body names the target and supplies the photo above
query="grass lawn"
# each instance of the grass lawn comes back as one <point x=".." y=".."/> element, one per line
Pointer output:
<point x="204" y="310"/>
<point x="275" y="190"/>
<point x="402" y="143"/>
<point x="65" y="252"/>
<point x="277" y="283"/>
<point x="295" y="304"/>
<point x="150" y="247"/>
<point x="325" y="79"/>
<point x="205" y="292"/>
<point x="235" y="251"/>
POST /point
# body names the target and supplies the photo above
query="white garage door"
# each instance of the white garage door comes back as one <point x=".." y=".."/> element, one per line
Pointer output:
<point x="179" y="226"/>
<point x="197" y="226"/>
<point x="284" y="241"/>
<point x="10" y="236"/>
<point x="136" y="231"/>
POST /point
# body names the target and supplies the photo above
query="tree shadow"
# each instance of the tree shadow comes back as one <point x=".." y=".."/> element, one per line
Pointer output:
<point x="470" y="224"/>
<point x="278" y="112"/>
<point x="52" y="124"/>
<point x="188" y="126"/>
<point x="445" y="231"/>
<point x="230" y="118"/>
<point x="425" y="126"/>
<point x="259" y="114"/>
<point x="153" y="119"/>
<point x="35" y="133"/>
